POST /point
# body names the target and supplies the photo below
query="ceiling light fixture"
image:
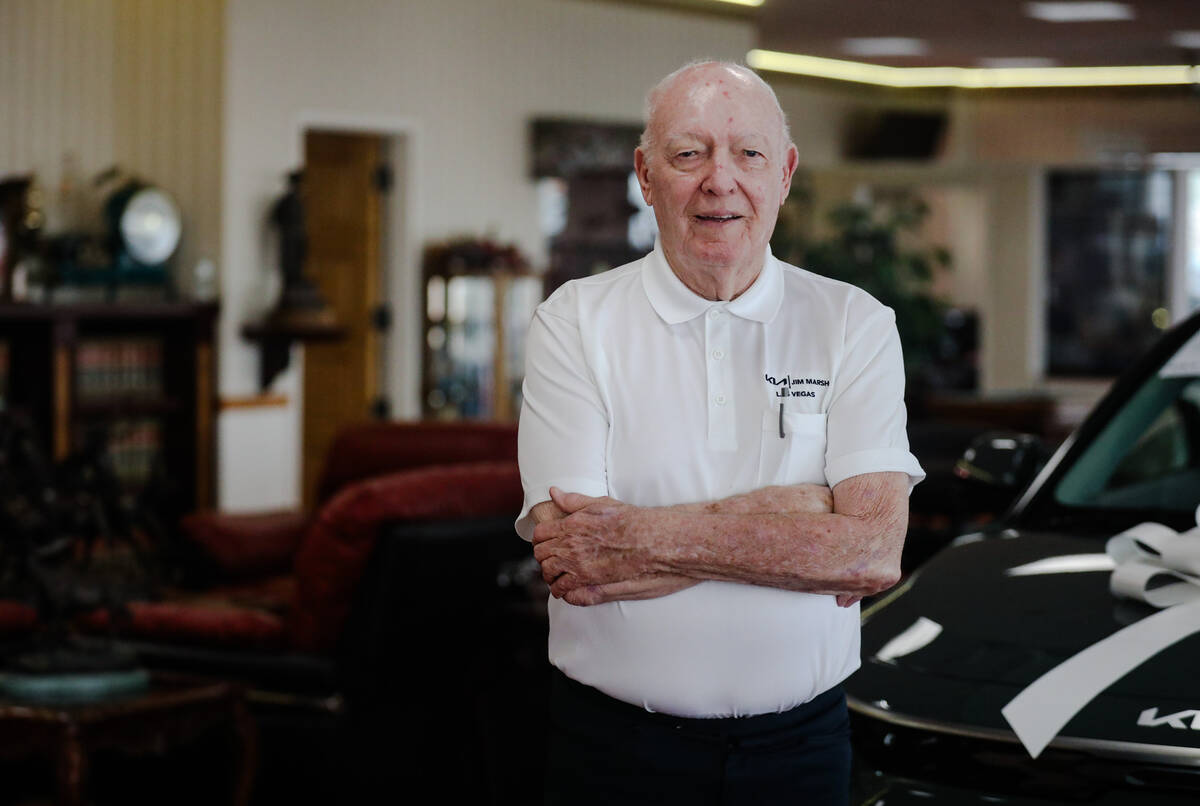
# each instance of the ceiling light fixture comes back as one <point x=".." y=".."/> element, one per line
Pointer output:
<point x="1185" y="39"/>
<point x="1080" y="11"/>
<point x="972" y="77"/>
<point x="742" y="2"/>
<point x="884" y="46"/>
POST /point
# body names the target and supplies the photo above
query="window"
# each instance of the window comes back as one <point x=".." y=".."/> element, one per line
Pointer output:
<point x="1108" y="245"/>
<point x="1147" y="457"/>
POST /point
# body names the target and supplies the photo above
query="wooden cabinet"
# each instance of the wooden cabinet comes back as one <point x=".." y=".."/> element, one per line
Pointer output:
<point x="140" y="374"/>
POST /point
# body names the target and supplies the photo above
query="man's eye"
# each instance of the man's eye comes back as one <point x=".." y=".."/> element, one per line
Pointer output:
<point x="750" y="152"/>
<point x="685" y="154"/>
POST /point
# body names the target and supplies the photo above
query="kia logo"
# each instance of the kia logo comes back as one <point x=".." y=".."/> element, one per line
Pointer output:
<point x="1179" y="720"/>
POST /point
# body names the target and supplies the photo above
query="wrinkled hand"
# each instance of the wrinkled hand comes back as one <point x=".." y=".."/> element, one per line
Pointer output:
<point x="595" y="554"/>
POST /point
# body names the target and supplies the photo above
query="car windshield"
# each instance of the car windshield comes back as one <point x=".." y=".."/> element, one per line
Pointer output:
<point x="1148" y="454"/>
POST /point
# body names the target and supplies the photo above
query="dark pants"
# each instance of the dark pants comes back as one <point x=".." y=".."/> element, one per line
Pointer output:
<point x="603" y="751"/>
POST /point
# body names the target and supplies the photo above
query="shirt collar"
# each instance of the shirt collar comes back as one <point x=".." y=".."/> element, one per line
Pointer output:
<point x="675" y="302"/>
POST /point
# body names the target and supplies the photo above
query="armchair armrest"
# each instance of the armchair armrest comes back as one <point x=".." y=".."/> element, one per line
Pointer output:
<point x="366" y="450"/>
<point x="341" y="539"/>
<point x="244" y="545"/>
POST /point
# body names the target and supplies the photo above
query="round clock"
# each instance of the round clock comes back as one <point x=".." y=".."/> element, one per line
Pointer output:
<point x="150" y="226"/>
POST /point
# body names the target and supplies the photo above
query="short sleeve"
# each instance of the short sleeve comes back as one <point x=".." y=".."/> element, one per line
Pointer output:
<point x="866" y="417"/>
<point x="563" y="431"/>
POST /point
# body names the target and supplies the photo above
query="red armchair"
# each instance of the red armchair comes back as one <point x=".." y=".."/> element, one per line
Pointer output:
<point x="375" y="637"/>
<point x="288" y="579"/>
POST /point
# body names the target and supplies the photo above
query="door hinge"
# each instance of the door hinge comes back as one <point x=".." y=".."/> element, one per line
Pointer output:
<point x="381" y="317"/>
<point x="381" y="408"/>
<point x="384" y="177"/>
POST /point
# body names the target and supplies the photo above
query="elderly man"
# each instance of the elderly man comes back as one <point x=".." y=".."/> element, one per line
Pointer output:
<point x="715" y="466"/>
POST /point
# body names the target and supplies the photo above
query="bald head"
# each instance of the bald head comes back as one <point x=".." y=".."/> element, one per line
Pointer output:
<point x="716" y="164"/>
<point x="684" y="78"/>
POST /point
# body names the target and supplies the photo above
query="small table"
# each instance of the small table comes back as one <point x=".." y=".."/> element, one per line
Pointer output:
<point x="174" y="709"/>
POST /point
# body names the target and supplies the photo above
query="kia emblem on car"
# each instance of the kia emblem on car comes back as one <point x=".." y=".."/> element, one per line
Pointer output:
<point x="1150" y="719"/>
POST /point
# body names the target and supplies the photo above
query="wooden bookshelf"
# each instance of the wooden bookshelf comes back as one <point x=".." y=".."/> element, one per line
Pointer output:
<point x="144" y="372"/>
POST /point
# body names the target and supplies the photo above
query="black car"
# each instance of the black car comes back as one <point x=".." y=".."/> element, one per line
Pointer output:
<point x="988" y="616"/>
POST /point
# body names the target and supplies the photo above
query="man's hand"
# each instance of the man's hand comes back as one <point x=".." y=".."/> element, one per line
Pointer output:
<point x="546" y="511"/>
<point x="596" y="545"/>
<point x="561" y="505"/>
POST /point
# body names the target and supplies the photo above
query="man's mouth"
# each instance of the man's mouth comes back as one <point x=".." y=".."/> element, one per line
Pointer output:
<point x="718" y="218"/>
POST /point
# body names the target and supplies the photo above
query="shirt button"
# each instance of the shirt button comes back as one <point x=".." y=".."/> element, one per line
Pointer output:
<point x="718" y="354"/>
<point x="719" y="400"/>
<point x="715" y="313"/>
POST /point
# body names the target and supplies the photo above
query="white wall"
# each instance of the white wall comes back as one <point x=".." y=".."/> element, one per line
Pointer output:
<point x="462" y="78"/>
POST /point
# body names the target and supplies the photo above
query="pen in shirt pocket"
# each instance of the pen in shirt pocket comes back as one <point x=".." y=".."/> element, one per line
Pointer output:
<point x="781" y="420"/>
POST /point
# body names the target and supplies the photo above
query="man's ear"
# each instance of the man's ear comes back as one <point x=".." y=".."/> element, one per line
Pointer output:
<point x="791" y="159"/>
<point x="642" y="170"/>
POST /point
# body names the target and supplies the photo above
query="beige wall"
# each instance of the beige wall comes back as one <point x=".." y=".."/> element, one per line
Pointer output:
<point x="131" y="82"/>
<point x="1086" y="127"/>
<point x="1011" y="314"/>
<point x="819" y="114"/>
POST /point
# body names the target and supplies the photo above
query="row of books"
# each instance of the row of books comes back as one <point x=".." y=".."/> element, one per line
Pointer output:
<point x="118" y="367"/>
<point x="133" y="448"/>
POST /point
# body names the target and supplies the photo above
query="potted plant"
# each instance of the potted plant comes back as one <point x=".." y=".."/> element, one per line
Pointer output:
<point x="872" y="246"/>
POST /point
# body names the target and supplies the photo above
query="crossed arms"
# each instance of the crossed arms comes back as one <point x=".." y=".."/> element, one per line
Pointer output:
<point x="845" y="542"/>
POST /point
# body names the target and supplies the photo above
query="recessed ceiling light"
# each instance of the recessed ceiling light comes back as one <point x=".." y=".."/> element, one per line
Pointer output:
<point x="1185" y="39"/>
<point x="884" y="46"/>
<point x="743" y="2"/>
<point x="1016" y="61"/>
<point x="972" y="77"/>
<point x="1079" y="11"/>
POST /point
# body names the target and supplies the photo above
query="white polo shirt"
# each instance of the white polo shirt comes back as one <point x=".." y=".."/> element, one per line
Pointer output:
<point x="637" y="388"/>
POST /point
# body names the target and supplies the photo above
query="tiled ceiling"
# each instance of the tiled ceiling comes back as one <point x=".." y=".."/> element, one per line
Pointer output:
<point x="965" y="33"/>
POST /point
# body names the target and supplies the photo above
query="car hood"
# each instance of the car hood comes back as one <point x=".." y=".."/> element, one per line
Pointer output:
<point x="964" y="635"/>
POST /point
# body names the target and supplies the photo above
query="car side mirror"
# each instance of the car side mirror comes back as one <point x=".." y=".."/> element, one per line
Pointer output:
<point x="1003" y="460"/>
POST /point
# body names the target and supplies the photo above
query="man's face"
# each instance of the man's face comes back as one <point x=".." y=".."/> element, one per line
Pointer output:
<point x="717" y="172"/>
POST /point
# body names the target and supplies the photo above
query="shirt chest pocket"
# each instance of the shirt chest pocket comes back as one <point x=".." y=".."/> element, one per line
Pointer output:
<point x="792" y="448"/>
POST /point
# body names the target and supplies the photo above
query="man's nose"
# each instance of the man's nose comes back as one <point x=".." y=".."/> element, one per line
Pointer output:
<point x="719" y="179"/>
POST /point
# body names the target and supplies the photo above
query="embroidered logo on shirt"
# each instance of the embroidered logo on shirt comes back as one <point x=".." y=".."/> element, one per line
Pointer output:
<point x="786" y="386"/>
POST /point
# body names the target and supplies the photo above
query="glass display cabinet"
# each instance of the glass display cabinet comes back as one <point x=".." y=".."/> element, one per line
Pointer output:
<point x="478" y="299"/>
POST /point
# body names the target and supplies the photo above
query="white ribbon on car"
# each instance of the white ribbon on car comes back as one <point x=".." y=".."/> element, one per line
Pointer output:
<point x="1154" y="564"/>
